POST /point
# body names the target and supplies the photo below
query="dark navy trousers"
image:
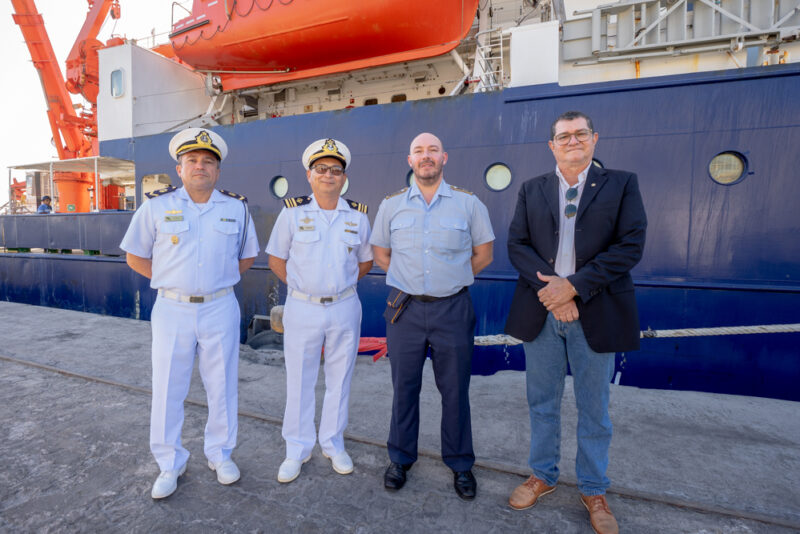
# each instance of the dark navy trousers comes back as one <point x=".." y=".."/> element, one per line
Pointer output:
<point x="447" y="327"/>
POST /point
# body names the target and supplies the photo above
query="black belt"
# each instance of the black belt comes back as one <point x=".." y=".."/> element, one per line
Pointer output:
<point x="428" y="298"/>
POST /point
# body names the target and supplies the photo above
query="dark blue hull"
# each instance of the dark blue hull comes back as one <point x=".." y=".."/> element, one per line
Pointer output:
<point x="715" y="256"/>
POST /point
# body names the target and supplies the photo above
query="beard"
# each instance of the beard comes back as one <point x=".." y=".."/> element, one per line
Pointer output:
<point x="428" y="175"/>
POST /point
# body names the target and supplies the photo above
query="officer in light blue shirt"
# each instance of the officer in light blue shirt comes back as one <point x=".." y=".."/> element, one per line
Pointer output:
<point x="193" y="243"/>
<point x="431" y="239"/>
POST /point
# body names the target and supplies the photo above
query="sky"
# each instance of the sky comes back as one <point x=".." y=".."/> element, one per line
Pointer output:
<point x="26" y="137"/>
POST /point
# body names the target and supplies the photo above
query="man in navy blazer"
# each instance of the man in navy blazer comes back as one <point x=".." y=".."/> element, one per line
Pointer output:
<point x="576" y="234"/>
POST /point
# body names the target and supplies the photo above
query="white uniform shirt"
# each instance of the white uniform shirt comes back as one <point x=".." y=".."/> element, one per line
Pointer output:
<point x="195" y="249"/>
<point x="322" y="257"/>
<point x="565" y="260"/>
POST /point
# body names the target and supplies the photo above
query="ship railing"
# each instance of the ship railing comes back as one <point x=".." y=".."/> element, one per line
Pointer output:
<point x="637" y="29"/>
<point x="488" y="70"/>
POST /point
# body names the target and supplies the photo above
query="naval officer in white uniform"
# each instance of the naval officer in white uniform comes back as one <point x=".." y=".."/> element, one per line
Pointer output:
<point x="319" y="247"/>
<point x="193" y="243"/>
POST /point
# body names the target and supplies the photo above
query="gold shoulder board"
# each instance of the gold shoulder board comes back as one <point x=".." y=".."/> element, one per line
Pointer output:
<point x="231" y="194"/>
<point x="159" y="192"/>
<point x="296" y="201"/>
<point x="397" y="193"/>
<point x="455" y="188"/>
<point x="358" y="206"/>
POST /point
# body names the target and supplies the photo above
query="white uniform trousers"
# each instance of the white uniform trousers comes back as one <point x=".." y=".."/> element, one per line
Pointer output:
<point x="307" y="327"/>
<point x="181" y="330"/>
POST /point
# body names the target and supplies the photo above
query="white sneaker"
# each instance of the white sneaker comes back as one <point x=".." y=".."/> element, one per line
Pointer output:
<point x="342" y="463"/>
<point x="290" y="469"/>
<point x="227" y="472"/>
<point x="166" y="483"/>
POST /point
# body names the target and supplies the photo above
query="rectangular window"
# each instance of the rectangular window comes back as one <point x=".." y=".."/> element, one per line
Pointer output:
<point x="117" y="83"/>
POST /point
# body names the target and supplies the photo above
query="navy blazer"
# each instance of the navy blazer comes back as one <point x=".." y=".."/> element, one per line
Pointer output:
<point x="609" y="240"/>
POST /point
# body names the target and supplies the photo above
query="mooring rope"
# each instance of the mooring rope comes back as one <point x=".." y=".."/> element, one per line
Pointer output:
<point x="502" y="339"/>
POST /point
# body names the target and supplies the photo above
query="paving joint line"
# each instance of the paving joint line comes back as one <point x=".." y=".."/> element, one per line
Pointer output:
<point x="499" y="467"/>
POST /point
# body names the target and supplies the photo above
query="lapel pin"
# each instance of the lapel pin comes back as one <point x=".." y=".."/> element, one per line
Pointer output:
<point x="593" y="184"/>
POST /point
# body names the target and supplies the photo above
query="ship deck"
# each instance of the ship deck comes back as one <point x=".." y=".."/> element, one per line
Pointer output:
<point x="74" y="395"/>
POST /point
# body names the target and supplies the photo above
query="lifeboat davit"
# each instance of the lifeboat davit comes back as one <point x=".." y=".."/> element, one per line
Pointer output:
<point x="257" y="42"/>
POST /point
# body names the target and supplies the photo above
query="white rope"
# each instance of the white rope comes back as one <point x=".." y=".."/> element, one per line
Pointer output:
<point x="723" y="331"/>
<point x="502" y="339"/>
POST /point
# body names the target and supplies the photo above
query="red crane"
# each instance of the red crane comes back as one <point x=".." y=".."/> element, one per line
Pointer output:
<point x="74" y="134"/>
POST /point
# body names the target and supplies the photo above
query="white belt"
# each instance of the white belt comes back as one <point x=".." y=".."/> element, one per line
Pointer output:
<point x="194" y="299"/>
<point x="321" y="300"/>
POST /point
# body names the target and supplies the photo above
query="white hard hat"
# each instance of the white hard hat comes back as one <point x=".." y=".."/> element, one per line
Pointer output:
<point x="326" y="148"/>
<point x="197" y="139"/>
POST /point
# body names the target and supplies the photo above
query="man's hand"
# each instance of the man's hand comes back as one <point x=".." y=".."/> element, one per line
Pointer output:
<point x="556" y="293"/>
<point x="566" y="313"/>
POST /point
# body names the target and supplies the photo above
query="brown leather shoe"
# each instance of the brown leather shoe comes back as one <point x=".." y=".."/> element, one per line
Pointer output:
<point x="526" y="494"/>
<point x="600" y="515"/>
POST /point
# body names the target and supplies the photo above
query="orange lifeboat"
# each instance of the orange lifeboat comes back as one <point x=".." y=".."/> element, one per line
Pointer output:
<point x="257" y="42"/>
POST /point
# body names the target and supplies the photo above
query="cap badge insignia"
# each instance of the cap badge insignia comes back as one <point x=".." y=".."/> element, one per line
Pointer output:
<point x="330" y="146"/>
<point x="203" y="138"/>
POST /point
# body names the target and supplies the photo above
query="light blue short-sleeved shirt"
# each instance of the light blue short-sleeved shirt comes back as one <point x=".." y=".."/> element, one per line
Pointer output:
<point x="431" y="243"/>
<point x="195" y="249"/>
<point x="321" y="256"/>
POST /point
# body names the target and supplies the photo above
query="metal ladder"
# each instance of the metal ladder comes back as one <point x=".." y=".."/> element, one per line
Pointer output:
<point x="488" y="71"/>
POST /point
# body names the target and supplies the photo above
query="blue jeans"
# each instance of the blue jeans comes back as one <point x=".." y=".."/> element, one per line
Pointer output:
<point x="546" y="359"/>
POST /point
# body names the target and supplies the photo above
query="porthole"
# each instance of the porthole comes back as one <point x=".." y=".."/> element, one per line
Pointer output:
<point x="279" y="186"/>
<point x="346" y="186"/>
<point x="597" y="163"/>
<point x="727" y="168"/>
<point x="410" y="178"/>
<point x="497" y="176"/>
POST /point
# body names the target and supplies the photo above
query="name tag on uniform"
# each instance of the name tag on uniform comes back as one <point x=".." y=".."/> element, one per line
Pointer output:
<point x="173" y="218"/>
<point x="223" y="219"/>
<point x="307" y="228"/>
<point x="349" y="231"/>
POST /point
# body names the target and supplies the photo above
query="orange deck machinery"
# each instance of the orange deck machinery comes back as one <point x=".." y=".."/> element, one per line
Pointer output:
<point x="74" y="134"/>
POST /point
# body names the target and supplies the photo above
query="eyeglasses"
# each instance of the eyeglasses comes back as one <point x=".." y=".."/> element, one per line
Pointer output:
<point x="570" y="210"/>
<point x="582" y="136"/>
<point x="324" y="169"/>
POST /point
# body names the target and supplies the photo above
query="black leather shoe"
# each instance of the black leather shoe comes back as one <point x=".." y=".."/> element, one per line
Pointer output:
<point x="465" y="484"/>
<point x="395" y="476"/>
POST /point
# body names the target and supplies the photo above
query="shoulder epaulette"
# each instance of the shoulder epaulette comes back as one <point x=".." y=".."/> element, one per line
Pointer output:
<point x="296" y="201"/>
<point x="231" y="194"/>
<point x="397" y="193"/>
<point x="159" y="192"/>
<point x="358" y="206"/>
<point x="454" y="188"/>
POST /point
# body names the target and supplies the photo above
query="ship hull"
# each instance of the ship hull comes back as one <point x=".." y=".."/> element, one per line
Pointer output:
<point x="715" y="255"/>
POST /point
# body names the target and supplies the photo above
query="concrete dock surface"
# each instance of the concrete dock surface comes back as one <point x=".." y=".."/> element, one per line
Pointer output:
<point x="75" y="402"/>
